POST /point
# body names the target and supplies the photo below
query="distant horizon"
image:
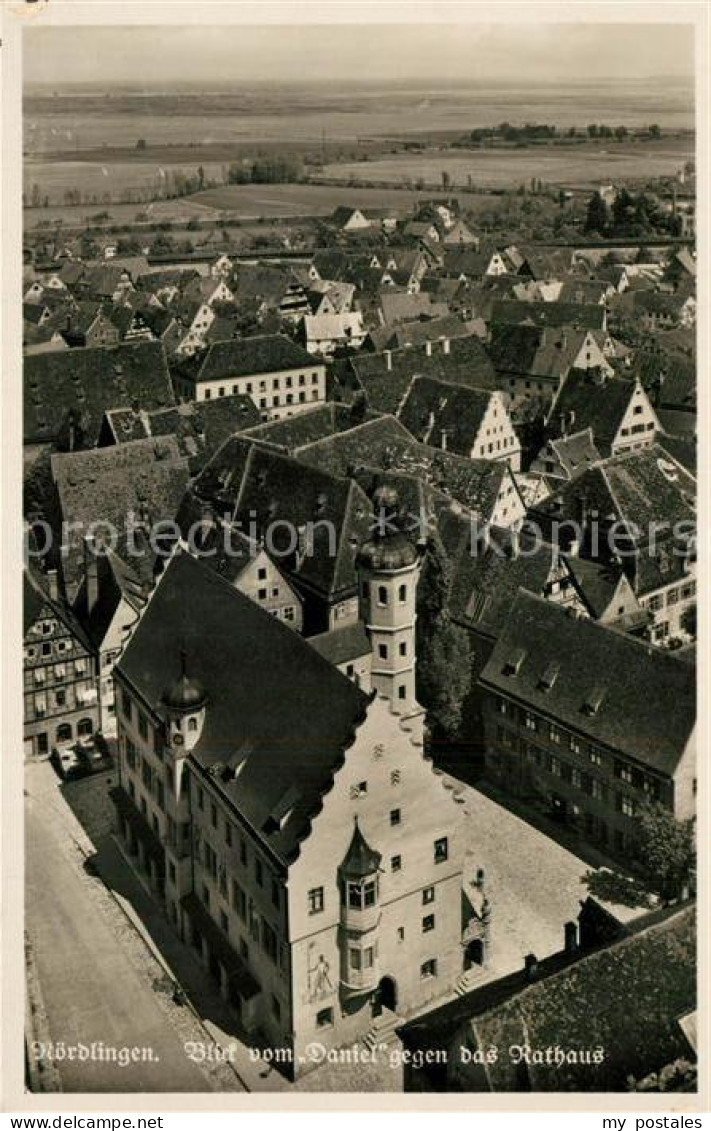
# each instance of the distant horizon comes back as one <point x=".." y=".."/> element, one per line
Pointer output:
<point x="448" y="53"/>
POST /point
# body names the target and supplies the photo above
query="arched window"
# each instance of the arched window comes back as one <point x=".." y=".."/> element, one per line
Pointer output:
<point x="85" y="727"/>
<point x="64" y="732"/>
<point x="192" y="724"/>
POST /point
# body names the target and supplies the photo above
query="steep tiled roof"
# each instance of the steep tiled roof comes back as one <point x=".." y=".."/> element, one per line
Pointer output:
<point x="596" y="664"/>
<point x="387" y="445"/>
<point x="407" y="334"/>
<point x="292" y="432"/>
<point x="588" y="400"/>
<point x="385" y="378"/>
<point x="106" y="486"/>
<point x="262" y="488"/>
<point x="432" y="407"/>
<point x="35" y="601"/>
<point x="590" y="317"/>
<point x="538" y="351"/>
<point x="85" y="383"/>
<point x="276" y="710"/>
<point x="199" y="427"/>
<point x="340" y="645"/>
<point x="399" y="306"/>
<point x="576" y="452"/>
<point x="486" y="579"/>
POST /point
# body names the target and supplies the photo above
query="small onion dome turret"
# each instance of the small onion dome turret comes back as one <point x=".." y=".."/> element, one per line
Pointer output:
<point x="360" y="860"/>
<point x="185" y="694"/>
<point x="388" y="548"/>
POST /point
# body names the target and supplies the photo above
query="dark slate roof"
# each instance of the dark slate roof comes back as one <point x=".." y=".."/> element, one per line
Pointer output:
<point x="647" y="699"/>
<point x="117" y="582"/>
<point x="36" y="604"/>
<point x="108" y="485"/>
<point x="385" y="380"/>
<point x="200" y="427"/>
<point x="486" y="579"/>
<point x="534" y="350"/>
<point x="292" y="432"/>
<point x="592" y="401"/>
<point x="341" y="645"/>
<point x="241" y="357"/>
<point x="360" y="859"/>
<point x="407" y="334"/>
<point x="513" y="313"/>
<point x="431" y="407"/>
<point x="626" y="999"/>
<point x="596" y="582"/>
<point x="576" y="452"/>
<point x="386" y="445"/>
<point x="279" y="718"/>
<point x="87" y="382"/>
<point x="683" y="449"/>
<point x="265" y="488"/>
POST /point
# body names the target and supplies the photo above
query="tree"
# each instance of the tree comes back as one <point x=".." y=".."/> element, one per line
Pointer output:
<point x="655" y="131"/>
<point x="665" y="849"/>
<point x="620" y="132"/>
<point x="201" y="177"/>
<point x="446" y="179"/>
<point x="141" y="143"/>
<point x="688" y="620"/>
<point x="443" y="665"/>
<point x="596" y="219"/>
<point x="592" y="131"/>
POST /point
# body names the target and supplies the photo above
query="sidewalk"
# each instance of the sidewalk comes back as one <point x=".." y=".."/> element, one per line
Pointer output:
<point x="183" y="967"/>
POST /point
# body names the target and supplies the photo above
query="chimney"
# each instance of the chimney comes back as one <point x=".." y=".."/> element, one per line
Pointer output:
<point x="563" y="425"/>
<point x="571" y="419"/>
<point x="531" y="967"/>
<point x="428" y="349"/>
<point x="444" y="439"/>
<point x="91" y="570"/>
<point x="445" y="345"/>
<point x="53" y="584"/>
<point x="388" y="360"/>
<point x="571" y="938"/>
<point x="515" y="543"/>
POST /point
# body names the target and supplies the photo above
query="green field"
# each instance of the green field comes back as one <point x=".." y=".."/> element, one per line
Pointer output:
<point x="581" y="166"/>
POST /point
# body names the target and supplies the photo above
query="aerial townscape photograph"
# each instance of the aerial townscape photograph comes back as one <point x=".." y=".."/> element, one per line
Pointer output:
<point x="359" y="511"/>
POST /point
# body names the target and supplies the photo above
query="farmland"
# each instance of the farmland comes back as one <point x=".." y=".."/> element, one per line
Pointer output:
<point x="583" y="166"/>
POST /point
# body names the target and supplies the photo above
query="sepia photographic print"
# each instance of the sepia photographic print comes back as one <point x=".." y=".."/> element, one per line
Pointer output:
<point x="356" y="362"/>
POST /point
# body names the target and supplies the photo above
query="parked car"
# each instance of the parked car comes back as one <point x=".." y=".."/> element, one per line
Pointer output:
<point x="93" y="754"/>
<point x="66" y="762"/>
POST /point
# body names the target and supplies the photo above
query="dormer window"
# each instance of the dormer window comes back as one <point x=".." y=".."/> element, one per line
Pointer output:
<point x="594" y="701"/>
<point x="550" y="675"/>
<point x="513" y="664"/>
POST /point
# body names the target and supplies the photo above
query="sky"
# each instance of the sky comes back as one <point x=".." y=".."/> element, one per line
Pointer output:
<point x="452" y="52"/>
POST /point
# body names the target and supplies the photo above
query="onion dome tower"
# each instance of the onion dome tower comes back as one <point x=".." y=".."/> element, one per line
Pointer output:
<point x="184" y="702"/>
<point x="359" y="884"/>
<point x="388" y="569"/>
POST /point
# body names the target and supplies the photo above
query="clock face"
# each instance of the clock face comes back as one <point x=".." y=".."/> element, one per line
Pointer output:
<point x="178" y="740"/>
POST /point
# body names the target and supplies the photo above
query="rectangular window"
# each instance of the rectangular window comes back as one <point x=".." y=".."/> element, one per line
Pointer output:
<point x="531" y="723"/>
<point x="126" y="705"/>
<point x="428" y="969"/>
<point x="224" y="923"/>
<point x="395" y="817"/>
<point x="213" y="815"/>
<point x="428" y="924"/>
<point x="383" y="651"/>
<point x="259" y="872"/>
<point x="275" y="893"/>
<point x="574" y="744"/>
<point x="269" y="941"/>
<point x="142" y="725"/>
<point x="441" y="850"/>
<point x="243" y="851"/>
<point x="316" y="903"/>
<point x="428" y="895"/>
<point x="382" y="595"/>
<point x="395" y="863"/>
<point x="239" y="900"/>
<point x="395" y="777"/>
<point x="228" y="834"/>
<point x="595" y="757"/>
